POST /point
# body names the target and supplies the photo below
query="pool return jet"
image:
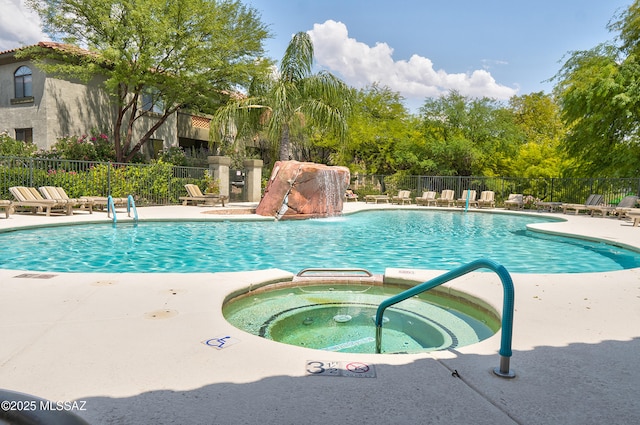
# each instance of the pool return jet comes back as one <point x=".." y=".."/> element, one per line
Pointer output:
<point x="503" y="370"/>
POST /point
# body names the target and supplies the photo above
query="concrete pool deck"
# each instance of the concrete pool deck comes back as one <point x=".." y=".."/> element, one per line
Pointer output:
<point x="129" y="348"/>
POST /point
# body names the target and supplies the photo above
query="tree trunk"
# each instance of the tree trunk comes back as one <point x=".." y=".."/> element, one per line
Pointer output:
<point x="285" y="144"/>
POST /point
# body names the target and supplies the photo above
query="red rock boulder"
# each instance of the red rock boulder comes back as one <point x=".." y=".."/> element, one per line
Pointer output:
<point x="304" y="190"/>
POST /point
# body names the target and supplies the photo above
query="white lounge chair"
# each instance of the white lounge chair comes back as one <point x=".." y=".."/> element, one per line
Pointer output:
<point x="487" y="199"/>
<point x="376" y="198"/>
<point x="515" y="201"/>
<point x="592" y="200"/>
<point x="7" y="206"/>
<point x="403" y="197"/>
<point x="468" y="196"/>
<point x="428" y="198"/>
<point x="446" y="198"/>
<point x="57" y="193"/>
<point x="30" y="198"/>
<point x="350" y="196"/>
<point x="196" y="197"/>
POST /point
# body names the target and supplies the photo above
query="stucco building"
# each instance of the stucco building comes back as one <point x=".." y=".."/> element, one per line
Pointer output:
<point x="41" y="108"/>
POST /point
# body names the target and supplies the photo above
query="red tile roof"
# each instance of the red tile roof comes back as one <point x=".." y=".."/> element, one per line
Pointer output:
<point x="61" y="47"/>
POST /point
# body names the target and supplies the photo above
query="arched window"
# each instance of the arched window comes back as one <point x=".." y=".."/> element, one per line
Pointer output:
<point x="22" y="79"/>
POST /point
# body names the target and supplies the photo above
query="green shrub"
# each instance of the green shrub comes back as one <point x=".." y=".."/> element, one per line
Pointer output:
<point x="12" y="147"/>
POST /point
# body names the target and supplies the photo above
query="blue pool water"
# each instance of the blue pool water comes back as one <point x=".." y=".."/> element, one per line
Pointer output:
<point x="372" y="240"/>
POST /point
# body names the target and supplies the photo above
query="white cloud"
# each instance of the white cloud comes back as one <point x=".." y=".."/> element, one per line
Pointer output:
<point x="19" y="26"/>
<point x="361" y="65"/>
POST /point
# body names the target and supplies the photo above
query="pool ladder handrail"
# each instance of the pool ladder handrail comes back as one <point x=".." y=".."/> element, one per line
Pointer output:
<point x="131" y="204"/>
<point x="507" y="308"/>
<point x="111" y="208"/>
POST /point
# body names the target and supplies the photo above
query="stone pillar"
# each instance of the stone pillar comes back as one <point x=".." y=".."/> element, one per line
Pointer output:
<point x="253" y="179"/>
<point x="219" y="170"/>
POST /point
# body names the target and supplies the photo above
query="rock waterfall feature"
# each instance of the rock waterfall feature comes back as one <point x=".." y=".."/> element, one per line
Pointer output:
<point x="304" y="190"/>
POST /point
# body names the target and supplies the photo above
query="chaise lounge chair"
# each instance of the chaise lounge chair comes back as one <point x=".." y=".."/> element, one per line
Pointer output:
<point x="101" y="202"/>
<point x="350" y="196"/>
<point x="428" y="198"/>
<point x="633" y="214"/>
<point x="30" y="198"/>
<point x="57" y="193"/>
<point x="446" y="198"/>
<point x="623" y="211"/>
<point x="515" y="201"/>
<point x="487" y="199"/>
<point x="7" y="206"/>
<point x="196" y="197"/>
<point x="376" y="198"/>
<point x="467" y="194"/>
<point x="403" y="196"/>
<point x="626" y="203"/>
<point x="592" y="200"/>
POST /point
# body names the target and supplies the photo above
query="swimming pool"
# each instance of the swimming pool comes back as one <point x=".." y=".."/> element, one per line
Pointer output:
<point x="373" y="240"/>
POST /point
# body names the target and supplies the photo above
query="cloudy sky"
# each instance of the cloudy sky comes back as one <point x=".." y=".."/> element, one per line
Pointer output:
<point x="420" y="48"/>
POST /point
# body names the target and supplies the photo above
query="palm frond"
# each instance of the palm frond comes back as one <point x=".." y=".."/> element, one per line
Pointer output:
<point x="298" y="58"/>
<point x="236" y="118"/>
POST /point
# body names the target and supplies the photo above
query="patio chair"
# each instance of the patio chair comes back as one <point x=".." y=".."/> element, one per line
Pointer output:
<point x="376" y="198"/>
<point x="101" y="202"/>
<point x="446" y="198"/>
<point x="30" y="198"/>
<point x="468" y="196"/>
<point x="57" y="193"/>
<point x="403" y="196"/>
<point x="625" y="204"/>
<point x="350" y="196"/>
<point x="196" y="197"/>
<point x="487" y="199"/>
<point x="592" y="200"/>
<point x="428" y="198"/>
<point x="515" y="201"/>
<point x="634" y="215"/>
<point x="7" y="206"/>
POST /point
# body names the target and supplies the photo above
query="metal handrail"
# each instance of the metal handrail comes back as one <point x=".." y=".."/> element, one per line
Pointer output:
<point x="507" y="309"/>
<point x="132" y="204"/>
<point x="111" y="207"/>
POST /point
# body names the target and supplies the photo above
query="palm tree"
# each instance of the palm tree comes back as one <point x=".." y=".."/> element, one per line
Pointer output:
<point x="287" y="100"/>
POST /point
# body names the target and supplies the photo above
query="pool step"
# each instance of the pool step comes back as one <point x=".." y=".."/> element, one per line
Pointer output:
<point x="356" y="275"/>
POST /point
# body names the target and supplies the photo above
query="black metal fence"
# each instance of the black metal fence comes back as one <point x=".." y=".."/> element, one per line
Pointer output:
<point x="163" y="184"/>
<point x="151" y="184"/>
<point x="574" y="190"/>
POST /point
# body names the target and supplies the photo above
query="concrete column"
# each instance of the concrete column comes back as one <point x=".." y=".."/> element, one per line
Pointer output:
<point x="219" y="170"/>
<point x="253" y="179"/>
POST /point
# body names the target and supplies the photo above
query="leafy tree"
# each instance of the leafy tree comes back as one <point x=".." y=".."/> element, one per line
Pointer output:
<point x="468" y="136"/>
<point x="537" y="116"/>
<point x="179" y="53"/>
<point x="287" y="102"/>
<point x="381" y="140"/>
<point x="599" y="93"/>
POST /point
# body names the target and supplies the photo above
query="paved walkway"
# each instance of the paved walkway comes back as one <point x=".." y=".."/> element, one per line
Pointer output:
<point x="128" y="348"/>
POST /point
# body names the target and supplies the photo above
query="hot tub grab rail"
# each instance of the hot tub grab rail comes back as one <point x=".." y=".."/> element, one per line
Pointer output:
<point x="507" y="307"/>
<point x="338" y="272"/>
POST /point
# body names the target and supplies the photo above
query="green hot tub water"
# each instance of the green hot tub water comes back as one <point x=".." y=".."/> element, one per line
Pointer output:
<point x="340" y="317"/>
